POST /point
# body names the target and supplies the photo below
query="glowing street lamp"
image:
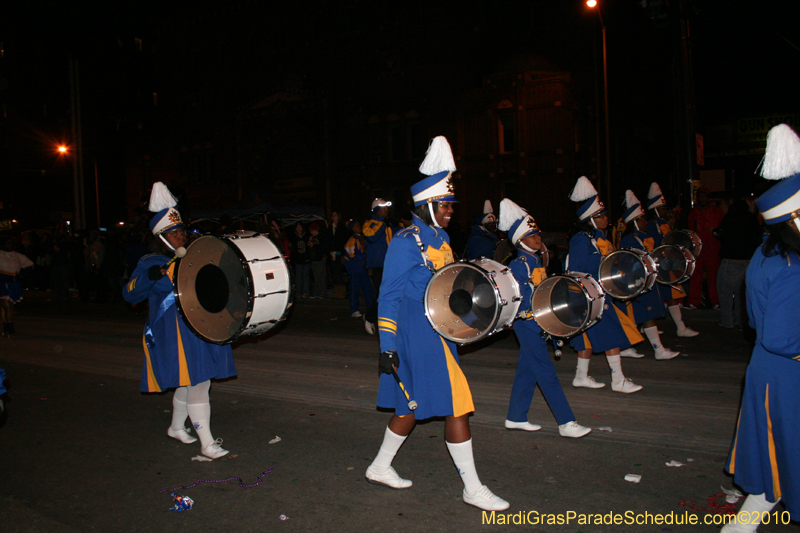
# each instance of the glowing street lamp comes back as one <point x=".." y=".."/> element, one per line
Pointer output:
<point x="62" y="149"/>
<point x="593" y="4"/>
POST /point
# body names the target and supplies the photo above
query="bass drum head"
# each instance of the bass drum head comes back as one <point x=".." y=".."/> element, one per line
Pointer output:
<point x="673" y="264"/>
<point x="686" y="238"/>
<point x="622" y="274"/>
<point x="461" y="302"/>
<point x="213" y="289"/>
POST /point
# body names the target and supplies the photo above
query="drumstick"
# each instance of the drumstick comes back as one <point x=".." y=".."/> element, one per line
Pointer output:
<point x="179" y="252"/>
<point x="411" y="403"/>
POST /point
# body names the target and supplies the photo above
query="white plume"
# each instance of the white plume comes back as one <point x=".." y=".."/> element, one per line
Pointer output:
<point x="630" y="199"/>
<point x="782" y="158"/>
<point x="655" y="191"/>
<point x="487" y="207"/>
<point x="509" y="213"/>
<point x="583" y="190"/>
<point x="438" y="158"/>
<point x="161" y="198"/>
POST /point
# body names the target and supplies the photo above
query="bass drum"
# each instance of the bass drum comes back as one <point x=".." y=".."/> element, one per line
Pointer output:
<point x="567" y="305"/>
<point x="626" y="274"/>
<point x="467" y="301"/>
<point x="505" y="252"/>
<point x="236" y="285"/>
<point x="686" y="238"/>
<point x="674" y="264"/>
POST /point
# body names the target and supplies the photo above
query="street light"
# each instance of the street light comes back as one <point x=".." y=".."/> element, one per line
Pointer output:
<point x="593" y="4"/>
<point x="62" y="149"/>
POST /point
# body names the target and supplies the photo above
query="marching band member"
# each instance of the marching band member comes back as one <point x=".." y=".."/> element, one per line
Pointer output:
<point x="174" y="357"/>
<point x="645" y="308"/>
<point x="534" y="364"/>
<point x="426" y="363"/>
<point x="763" y="458"/>
<point x="657" y="228"/>
<point x="483" y="238"/>
<point x="378" y="234"/>
<point x="615" y="330"/>
<point x="355" y="261"/>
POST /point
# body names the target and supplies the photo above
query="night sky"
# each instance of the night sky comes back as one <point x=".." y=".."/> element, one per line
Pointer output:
<point x="211" y="57"/>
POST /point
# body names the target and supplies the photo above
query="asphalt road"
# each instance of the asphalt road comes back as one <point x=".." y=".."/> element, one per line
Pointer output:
<point x="84" y="450"/>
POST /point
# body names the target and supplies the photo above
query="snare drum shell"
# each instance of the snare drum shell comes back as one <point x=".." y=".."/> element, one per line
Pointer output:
<point x="494" y="277"/>
<point x="638" y="258"/>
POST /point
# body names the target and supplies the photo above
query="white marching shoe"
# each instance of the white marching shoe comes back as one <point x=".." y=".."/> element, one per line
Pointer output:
<point x="588" y="382"/>
<point x="687" y="332"/>
<point x="573" y="430"/>
<point x="181" y="435"/>
<point x="631" y="352"/>
<point x="486" y="500"/>
<point x="214" y="450"/>
<point x="388" y="478"/>
<point x="662" y="354"/>
<point x="626" y="386"/>
<point x="524" y="426"/>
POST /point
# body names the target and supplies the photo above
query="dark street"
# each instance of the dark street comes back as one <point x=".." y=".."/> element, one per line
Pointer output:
<point x="84" y="450"/>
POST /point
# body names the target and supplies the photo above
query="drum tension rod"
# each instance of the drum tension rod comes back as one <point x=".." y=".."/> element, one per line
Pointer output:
<point x="270" y="294"/>
<point x="263" y="260"/>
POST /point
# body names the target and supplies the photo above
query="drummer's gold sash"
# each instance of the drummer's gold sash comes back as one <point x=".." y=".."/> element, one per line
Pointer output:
<point x="441" y="256"/>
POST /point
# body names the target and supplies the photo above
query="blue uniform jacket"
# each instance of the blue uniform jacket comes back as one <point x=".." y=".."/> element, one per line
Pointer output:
<point x="378" y="235"/>
<point x="173" y="355"/>
<point x="481" y="243"/>
<point x="429" y="366"/>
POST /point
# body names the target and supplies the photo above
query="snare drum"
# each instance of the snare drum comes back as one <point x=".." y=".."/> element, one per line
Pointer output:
<point x="567" y="305"/>
<point x="467" y="301"/>
<point x="686" y="238"/>
<point x="674" y="264"/>
<point x="232" y="286"/>
<point x="627" y="273"/>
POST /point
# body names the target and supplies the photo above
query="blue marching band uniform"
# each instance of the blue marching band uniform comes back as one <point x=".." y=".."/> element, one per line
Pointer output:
<point x="428" y="360"/>
<point x="763" y="458"/>
<point x="534" y="366"/>
<point x="174" y="357"/>
<point x="426" y="363"/>
<point x="482" y="242"/>
<point x="657" y="229"/>
<point x="615" y="329"/>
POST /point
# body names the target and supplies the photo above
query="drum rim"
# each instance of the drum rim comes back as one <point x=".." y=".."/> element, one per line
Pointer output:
<point x="587" y="323"/>
<point x="651" y="275"/>
<point x="497" y="313"/>
<point x="250" y="291"/>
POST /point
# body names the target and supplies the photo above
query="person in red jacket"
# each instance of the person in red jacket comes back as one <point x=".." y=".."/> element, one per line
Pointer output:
<point x="704" y="218"/>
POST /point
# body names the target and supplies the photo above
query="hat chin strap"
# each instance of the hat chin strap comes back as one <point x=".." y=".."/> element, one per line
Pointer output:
<point x="591" y="219"/>
<point x="524" y="247"/>
<point x="433" y="216"/>
<point x="161" y="236"/>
